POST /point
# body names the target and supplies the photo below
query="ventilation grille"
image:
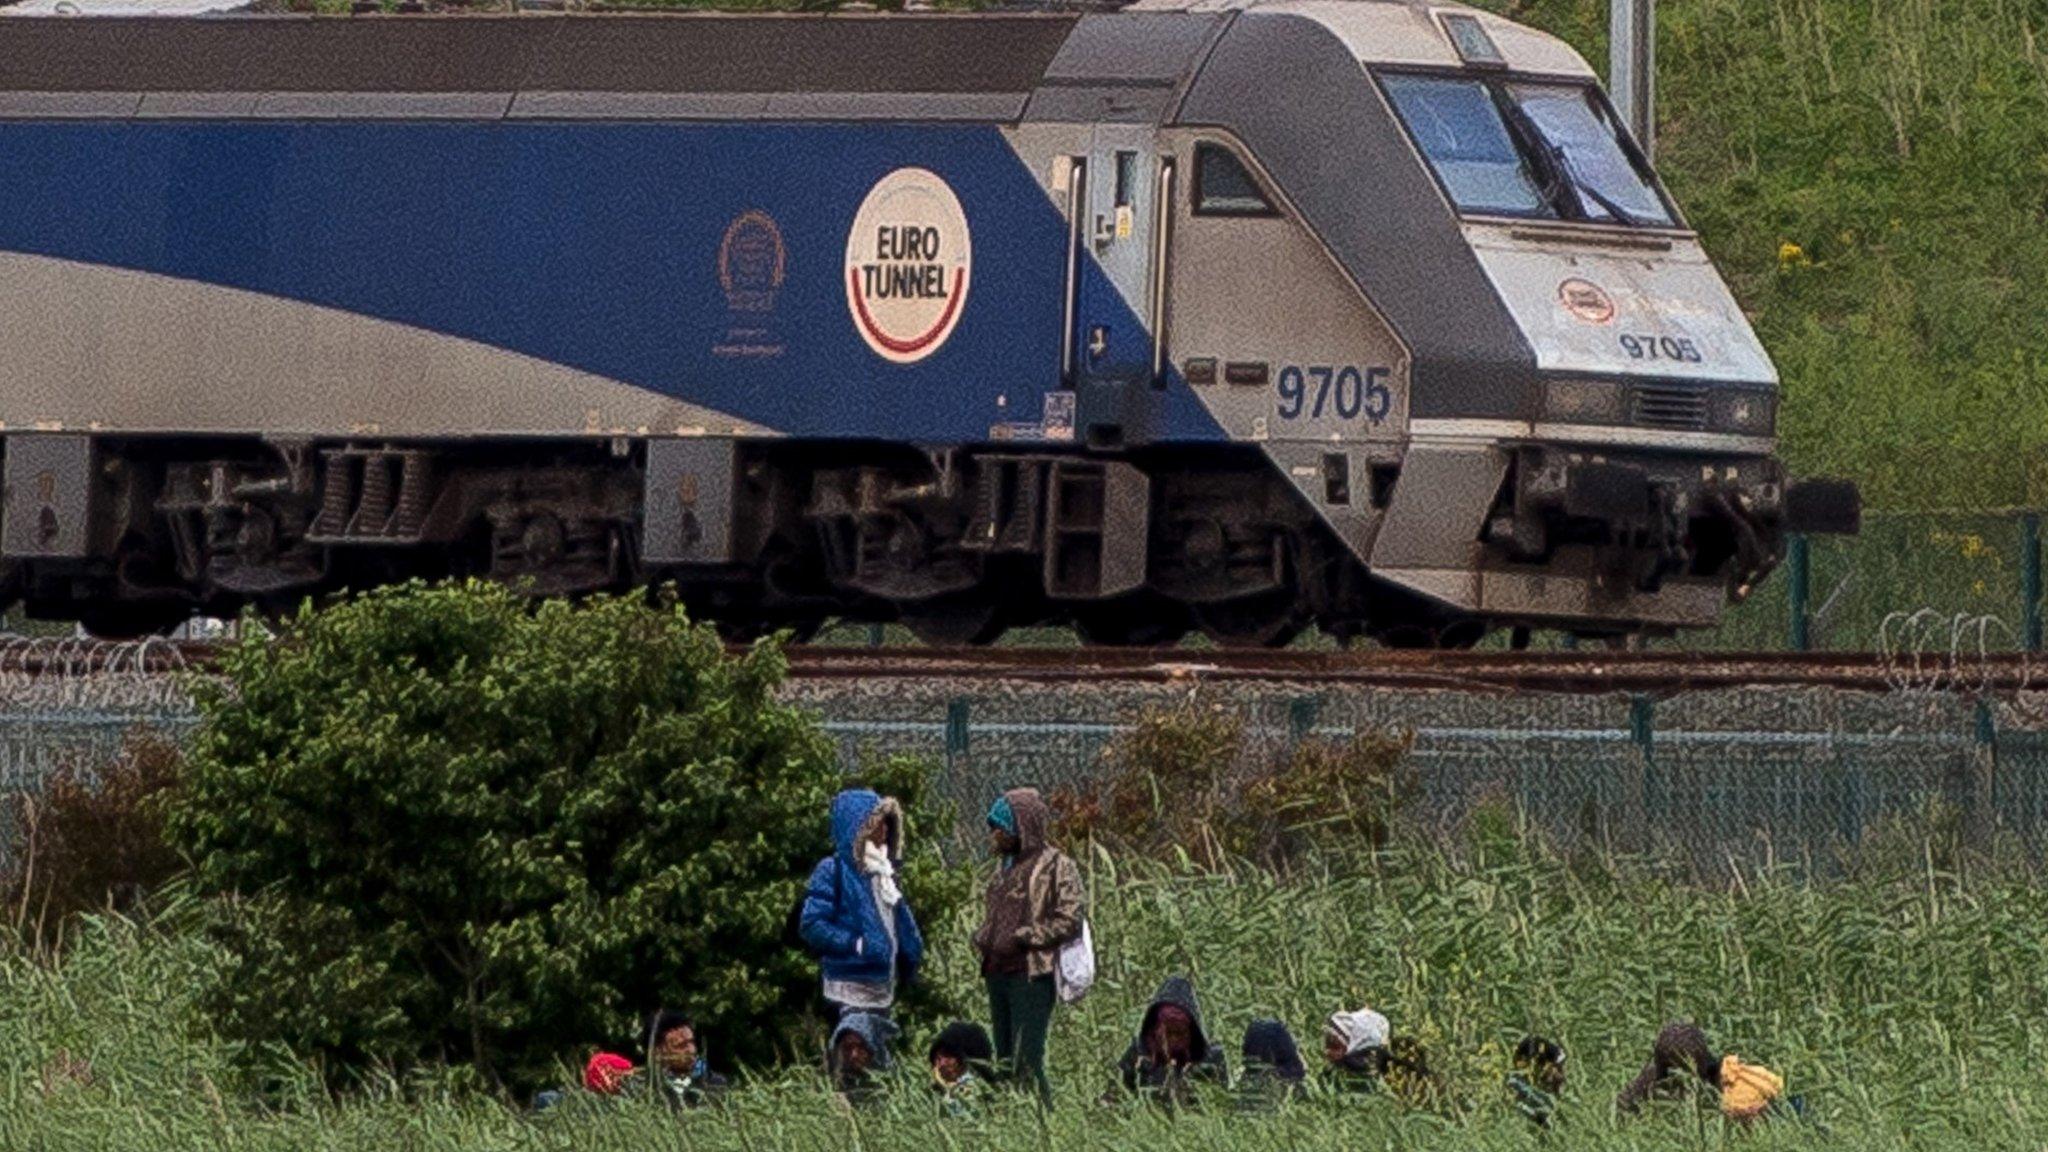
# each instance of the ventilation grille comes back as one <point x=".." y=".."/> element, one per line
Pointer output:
<point x="1679" y="409"/>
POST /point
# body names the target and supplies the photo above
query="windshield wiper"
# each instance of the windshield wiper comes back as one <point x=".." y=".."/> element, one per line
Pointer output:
<point x="1559" y="169"/>
<point x="1601" y="198"/>
<point x="1540" y="153"/>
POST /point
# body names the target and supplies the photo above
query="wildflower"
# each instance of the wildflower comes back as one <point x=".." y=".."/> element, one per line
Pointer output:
<point x="1790" y="254"/>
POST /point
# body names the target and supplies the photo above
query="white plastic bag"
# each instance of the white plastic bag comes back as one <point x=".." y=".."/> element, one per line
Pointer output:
<point x="1075" y="973"/>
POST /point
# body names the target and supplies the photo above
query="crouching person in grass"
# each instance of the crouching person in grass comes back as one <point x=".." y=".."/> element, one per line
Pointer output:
<point x="1171" y="1055"/>
<point x="675" y="1054"/>
<point x="1536" y="1079"/>
<point x="960" y="1062"/>
<point x="1273" y="1069"/>
<point x="605" y="1075"/>
<point x="1355" y="1051"/>
<point x="858" y="1057"/>
<point x="1747" y="1092"/>
<point x="1032" y="907"/>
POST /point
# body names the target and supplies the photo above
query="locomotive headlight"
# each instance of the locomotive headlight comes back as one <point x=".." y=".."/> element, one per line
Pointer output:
<point x="1747" y="413"/>
<point x="1585" y="402"/>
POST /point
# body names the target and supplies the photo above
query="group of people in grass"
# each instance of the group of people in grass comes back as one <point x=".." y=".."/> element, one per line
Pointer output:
<point x="1035" y="952"/>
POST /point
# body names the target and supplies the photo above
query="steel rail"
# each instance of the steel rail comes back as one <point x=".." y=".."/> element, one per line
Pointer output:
<point x="1654" y="672"/>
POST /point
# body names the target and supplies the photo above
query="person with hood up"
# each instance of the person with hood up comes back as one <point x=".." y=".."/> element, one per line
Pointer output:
<point x="1032" y="907"/>
<point x="1273" y="1069"/>
<point x="1172" y="1053"/>
<point x="854" y="917"/>
<point x="858" y="1054"/>
<point x="1355" y="1051"/>
<point x="675" y="1058"/>
<point x="1747" y="1091"/>
<point x="960" y="1061"/>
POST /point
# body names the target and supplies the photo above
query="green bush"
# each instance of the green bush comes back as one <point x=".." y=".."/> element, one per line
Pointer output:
<point x="444" y="825"/>
<point x="1181" y="783"/>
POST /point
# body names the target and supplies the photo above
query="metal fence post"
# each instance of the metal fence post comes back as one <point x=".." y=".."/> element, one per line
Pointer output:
<point x="2030" y="579"/>
<point x="1983" y="811"/>
<point x="1799" y="570"/>
<point x="957" y="726"/>
<point x="1642" y="732"/>
<point x="1302" y="712"/>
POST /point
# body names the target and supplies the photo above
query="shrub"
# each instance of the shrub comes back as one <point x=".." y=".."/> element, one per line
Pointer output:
<point x="446" y="825"/>
<point x="1181" y="781"/>
<point x="92" y="838"/>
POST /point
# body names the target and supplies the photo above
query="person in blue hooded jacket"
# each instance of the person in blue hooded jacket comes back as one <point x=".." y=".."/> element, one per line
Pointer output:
<point x="854" y="916"/>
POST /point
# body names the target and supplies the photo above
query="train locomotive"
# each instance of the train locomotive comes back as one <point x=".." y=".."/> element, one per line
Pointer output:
<point x="1238" y="316"/>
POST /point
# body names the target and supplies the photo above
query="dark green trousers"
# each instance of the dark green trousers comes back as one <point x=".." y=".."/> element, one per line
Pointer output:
<point x="1020" y="1015"/>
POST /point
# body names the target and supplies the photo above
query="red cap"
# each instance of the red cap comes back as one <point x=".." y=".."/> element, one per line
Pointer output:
<point x="605" y="1072"/>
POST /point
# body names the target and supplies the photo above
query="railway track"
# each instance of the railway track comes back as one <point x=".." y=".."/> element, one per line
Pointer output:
<point x="1583" y="671"/>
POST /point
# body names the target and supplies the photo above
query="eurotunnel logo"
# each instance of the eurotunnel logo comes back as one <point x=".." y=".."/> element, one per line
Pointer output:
<point x="1586" y="300"/>
<point x="907" y="264"/>
<point x="752" y="262"/>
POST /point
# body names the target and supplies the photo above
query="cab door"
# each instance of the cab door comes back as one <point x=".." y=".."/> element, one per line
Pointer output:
<point x="1116" y="283"/>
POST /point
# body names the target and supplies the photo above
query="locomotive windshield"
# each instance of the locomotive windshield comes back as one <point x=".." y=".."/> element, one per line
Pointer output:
<point x="1546" y="151"/>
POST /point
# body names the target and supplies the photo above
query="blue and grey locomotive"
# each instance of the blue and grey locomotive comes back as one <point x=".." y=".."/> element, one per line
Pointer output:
<point x="1237" y="316"/>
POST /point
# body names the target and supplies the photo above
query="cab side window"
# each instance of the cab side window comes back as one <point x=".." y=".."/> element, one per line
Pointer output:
<point x="1223" y="187"/>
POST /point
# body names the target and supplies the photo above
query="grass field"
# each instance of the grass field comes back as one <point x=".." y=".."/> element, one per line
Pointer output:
<point x="1910" y="1012"/>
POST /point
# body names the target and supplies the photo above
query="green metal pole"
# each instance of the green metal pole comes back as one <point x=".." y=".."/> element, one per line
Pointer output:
<point x="1642" y="731"/>
<point x="2030" y="578"/>
<point x="957" y="726"/>
<point x="1301" y="717"/>
<point x="1799" y="570"/>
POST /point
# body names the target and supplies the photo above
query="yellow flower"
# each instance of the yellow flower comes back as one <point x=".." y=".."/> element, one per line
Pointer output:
<point x="1790" y="254"/>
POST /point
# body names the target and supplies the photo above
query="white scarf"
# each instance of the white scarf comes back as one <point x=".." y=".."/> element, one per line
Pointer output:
<point x="1359" y="1030"/>
<point x="874" y="860"/>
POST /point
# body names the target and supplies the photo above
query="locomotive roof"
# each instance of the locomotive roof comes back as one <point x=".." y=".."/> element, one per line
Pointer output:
<point x="960" y="65"/>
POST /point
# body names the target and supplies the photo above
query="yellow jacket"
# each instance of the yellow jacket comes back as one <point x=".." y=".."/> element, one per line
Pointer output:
<point x="1747" y="1089"/>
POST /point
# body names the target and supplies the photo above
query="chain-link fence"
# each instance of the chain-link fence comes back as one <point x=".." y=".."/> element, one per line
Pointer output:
<point x="1753" y="775"/>
<point x="1750" y="774"/>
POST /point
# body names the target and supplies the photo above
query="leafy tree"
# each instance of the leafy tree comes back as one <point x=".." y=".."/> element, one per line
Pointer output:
<point x="447" y="825"/>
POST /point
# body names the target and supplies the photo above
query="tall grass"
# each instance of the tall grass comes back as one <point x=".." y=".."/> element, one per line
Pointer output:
<point x="1908" y="1009"/>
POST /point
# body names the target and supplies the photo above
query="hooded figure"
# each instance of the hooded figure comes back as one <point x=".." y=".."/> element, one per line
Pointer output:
<point x="1355" y="1050"/>
<point x="1679" y="1048"/>
<point x="1033" y="906"/>
<point x="1273" y="1071"/>
<point x="961" y="1064"/>
<point x="1747" y="1091"/>
<point x="858" y="1053"/>
<point x="1172" y="1050"/>
<point x="855" y="918"/>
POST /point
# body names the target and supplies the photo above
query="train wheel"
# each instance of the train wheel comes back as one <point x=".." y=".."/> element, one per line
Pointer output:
<point x="1144" y="621"/>
<point x="1268" y="620"/>
<point x="952" y="621"/>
